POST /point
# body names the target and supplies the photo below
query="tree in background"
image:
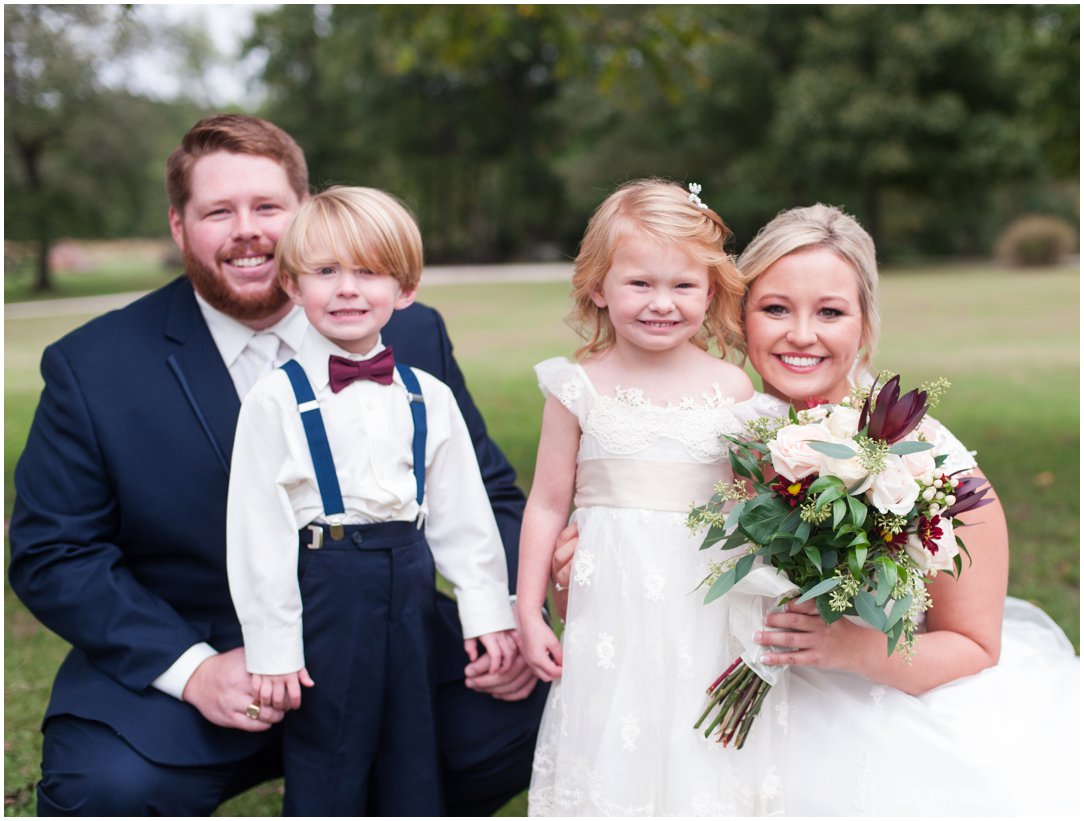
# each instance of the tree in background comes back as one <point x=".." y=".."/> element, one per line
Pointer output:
<point x="83" y="156"/>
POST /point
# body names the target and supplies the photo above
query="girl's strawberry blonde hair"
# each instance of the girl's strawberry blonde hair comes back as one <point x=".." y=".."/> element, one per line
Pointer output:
<point x="663" y="212"/>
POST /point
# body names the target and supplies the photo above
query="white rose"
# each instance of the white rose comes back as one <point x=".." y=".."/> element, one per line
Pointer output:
<point x="843" y="422"/>
<point x="792" y="457"/>
<point x="894" y="489"/>
<point x="946" y="549"/>
<point x="818" y="413"/>
<point x="855" y="476"/>
<point x="920" y="465"/>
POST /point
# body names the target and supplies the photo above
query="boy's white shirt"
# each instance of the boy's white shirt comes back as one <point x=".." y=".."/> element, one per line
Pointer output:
<point x="273" y="494"/>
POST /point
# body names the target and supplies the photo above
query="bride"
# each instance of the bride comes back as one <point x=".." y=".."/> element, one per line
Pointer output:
<point x="985" y="719"/>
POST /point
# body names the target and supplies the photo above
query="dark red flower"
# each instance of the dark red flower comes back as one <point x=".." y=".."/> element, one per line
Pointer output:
<point x="894" y="541"/>
<point x="929" y="531"/>
<point x="794" y="491"/>
<point x="968" y="493"/>
<point x="892" y="417"/>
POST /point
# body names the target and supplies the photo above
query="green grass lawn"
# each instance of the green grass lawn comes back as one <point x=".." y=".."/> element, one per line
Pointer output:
<point x="1007" y="340"/>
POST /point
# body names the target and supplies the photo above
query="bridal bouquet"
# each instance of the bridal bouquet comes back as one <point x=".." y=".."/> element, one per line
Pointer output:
<point x="845" y="504"/>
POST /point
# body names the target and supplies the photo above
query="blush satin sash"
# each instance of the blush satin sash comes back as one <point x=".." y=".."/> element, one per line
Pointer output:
<point x="645" y="484"/>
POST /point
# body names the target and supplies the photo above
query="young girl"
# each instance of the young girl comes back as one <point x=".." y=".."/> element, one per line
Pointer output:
<point x="631" y="436"/>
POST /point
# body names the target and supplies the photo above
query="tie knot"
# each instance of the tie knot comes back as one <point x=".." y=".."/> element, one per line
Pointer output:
<point x="343" y="371"/>
<point x="265" y="345"/>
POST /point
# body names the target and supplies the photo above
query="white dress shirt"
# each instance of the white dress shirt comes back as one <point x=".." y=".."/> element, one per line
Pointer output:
<point x="232" y="338"/>
<point x="273" y="494"/>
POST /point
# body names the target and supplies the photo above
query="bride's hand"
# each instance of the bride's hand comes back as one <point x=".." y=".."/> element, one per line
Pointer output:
<point x="809" y="639"/>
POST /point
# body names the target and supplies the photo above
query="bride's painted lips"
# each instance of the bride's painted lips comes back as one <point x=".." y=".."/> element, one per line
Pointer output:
<point x="799" y="363"/>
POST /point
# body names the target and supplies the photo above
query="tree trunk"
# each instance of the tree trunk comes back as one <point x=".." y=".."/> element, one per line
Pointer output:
<point x="43" y="275"/>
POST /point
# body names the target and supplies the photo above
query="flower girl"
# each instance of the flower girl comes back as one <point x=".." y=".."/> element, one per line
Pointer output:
<point x="631" y="437"/>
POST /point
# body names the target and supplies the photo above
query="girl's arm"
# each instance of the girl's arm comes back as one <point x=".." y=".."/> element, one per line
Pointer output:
<point x="546" y="514"/>
<point x="963" y="624"/>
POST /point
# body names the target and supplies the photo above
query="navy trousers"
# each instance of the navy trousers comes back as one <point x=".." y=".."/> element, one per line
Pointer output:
<point x="367" y="729"/>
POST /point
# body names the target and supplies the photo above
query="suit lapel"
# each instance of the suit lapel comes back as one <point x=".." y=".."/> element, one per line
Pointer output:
<point x="201" y="373"/>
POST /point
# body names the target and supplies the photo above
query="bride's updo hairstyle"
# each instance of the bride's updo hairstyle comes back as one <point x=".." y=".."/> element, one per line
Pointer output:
<point x="663" y="212"/>
<point x="820" y="226"/>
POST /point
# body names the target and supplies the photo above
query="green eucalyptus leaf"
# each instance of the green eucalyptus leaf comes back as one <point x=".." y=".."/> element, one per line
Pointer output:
<point x="899" y="610"/>
<point x="713" y="536"/>
<point x="822" y="587"/>
<point x="868" y="610"/>
<point x="721" y="585"/>
<point x="833" y="449"/>
<point x="904" y="448"/>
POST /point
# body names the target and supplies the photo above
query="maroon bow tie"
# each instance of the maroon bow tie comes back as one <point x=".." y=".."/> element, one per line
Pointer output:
<point x="343" y="371"/>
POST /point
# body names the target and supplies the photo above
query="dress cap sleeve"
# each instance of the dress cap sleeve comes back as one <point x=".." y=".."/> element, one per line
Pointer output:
<point x="565" y="381"/>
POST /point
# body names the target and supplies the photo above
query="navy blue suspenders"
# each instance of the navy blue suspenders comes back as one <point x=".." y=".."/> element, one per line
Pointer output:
<point x="316" y="434"/>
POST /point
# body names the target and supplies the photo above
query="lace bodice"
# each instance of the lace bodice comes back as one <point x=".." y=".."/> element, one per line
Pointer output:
<point x="628" y="424"/>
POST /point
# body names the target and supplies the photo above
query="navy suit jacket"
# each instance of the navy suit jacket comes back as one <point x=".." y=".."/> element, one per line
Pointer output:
<point x="118" y="530"/>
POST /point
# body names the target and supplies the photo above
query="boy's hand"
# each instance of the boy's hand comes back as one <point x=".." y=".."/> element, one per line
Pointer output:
<point x="541" y="647"/>
<point x="283" y="692"/>
<point x="500" y="647"/>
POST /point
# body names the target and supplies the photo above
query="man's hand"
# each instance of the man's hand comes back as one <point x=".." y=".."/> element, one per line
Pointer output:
<point x="221" y="689"/>
<point x="513" y="684"/>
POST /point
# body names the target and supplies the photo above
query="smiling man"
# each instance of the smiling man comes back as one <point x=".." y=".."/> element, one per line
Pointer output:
<point x="118" y="531"/>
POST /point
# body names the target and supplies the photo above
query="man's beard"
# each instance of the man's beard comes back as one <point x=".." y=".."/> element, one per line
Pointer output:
<point x="214" y="288"/>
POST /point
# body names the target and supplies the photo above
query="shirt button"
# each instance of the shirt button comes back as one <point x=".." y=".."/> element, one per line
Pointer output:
<point x="356" y="538"/>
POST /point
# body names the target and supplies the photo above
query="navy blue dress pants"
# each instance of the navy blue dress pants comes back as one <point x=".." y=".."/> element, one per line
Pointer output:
<point x="365" y="735"/>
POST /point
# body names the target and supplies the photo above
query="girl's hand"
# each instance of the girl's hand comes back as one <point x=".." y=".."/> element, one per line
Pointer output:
<point x="563" y="552"/>
<point x="540" y="646"/>
<point x="810" y="640"/>
<point x="500" y="647"/>
<point x="283" y="692"/>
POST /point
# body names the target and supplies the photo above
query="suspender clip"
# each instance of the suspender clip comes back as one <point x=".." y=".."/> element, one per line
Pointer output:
<point x="337" y="532"/>
<point x="415" y="397"/>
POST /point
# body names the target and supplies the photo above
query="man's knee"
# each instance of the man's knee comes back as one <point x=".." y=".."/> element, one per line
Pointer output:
<point x="87" y="769"/>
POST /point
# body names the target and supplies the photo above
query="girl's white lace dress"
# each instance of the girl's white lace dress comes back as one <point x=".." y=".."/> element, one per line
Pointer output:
<point x="640" y="647"/>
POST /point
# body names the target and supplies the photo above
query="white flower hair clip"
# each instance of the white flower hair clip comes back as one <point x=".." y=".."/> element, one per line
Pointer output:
<point x="694" y="195"/>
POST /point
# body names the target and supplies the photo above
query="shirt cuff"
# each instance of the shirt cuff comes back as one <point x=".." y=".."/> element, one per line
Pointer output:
<point x="273" y="651"/>
<point x="484" y="611"/>
<point x="173" y="681"/>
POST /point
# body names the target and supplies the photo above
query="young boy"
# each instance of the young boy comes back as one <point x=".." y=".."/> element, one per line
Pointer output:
<point x="356" y="454"/>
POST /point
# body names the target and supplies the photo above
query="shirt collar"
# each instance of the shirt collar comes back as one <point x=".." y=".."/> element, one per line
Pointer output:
<point x="315" y="350"/>
<point x="231" y="336"/>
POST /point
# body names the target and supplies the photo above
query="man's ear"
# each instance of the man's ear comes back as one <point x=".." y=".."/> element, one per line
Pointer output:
<point x="406" y="298"/>
<point x="176" y="227"/>
<point x="289" y="285"/>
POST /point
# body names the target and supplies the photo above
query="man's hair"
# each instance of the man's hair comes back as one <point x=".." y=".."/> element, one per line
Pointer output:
<point x="236" y="134"/>
<point x="359" y="227"/>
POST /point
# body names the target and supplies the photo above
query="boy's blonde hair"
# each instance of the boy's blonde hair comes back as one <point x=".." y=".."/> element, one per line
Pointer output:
<point x="661" y="211"/>
<point x="820" y="226"/>
<point x="364" y="227"/>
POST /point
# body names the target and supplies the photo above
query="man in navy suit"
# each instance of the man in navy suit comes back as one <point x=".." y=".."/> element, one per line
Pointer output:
<point x="118" y="531"/>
